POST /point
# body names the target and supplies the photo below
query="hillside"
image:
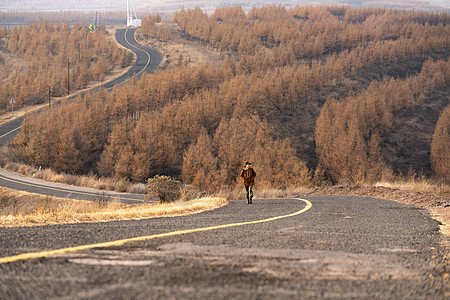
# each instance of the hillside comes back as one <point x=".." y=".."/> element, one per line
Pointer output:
<point x="37" y="57"/>
<point x="308" y="94"/>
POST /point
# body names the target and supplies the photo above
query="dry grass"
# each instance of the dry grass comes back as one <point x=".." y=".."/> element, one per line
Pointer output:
<point x="89" y="181"/>
<point x="24" y="209"/>
<point x="423" y="186"/>
<point x="193" y="52"/>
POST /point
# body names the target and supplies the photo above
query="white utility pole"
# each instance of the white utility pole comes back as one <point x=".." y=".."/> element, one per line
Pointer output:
<point x="132" y="20"/>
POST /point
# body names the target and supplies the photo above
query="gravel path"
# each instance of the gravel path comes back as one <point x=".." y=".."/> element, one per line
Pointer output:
<point x="341" y="248"/>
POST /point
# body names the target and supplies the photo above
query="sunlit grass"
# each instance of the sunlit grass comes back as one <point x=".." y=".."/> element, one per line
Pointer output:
<point x="24" y="209"/>
<point x="89" y="181"/>
<point x="423" y="186"/>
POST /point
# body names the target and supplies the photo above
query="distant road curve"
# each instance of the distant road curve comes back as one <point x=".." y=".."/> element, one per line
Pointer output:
<point x="21" y="183"/>
<point x="147" y="60"/>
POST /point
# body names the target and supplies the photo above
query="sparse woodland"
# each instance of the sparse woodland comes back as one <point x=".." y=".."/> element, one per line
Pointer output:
<point x="310" y="95"/>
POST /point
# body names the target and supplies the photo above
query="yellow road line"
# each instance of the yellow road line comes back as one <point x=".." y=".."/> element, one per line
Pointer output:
<point x="148" y="61"/>
<point x="9" y="132"/>
<point x="148" y="54"/>
<point x="26" y="256"/>
<point x="66" y="190"/>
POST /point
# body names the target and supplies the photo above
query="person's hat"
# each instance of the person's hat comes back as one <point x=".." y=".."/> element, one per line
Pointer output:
<point x="248" y="163"/>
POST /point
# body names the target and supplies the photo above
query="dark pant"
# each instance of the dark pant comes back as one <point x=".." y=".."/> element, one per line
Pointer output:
<point x="249" y="191"/>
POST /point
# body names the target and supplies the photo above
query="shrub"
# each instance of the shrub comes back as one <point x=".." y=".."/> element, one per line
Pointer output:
<point x="165" y="188"/>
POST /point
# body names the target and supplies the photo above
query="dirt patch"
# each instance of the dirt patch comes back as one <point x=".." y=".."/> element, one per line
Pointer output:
<point x="178" y="50"/>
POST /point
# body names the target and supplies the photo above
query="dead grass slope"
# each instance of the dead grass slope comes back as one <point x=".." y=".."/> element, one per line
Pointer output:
<point x="25" y="209"/>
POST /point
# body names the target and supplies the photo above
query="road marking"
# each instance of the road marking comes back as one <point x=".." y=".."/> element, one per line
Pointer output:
<point x="9" y="132"/>
<point x="143" y="69"/>
<point x="148" y="54"/>
<point x="32" y="255"/>
<point x="67" y="190"/>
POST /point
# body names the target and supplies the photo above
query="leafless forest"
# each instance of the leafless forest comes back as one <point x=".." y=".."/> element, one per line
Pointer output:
<point x="310" y="95"/>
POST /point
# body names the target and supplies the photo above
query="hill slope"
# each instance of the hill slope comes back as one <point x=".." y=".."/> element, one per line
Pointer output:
<point x="335" y="92"/>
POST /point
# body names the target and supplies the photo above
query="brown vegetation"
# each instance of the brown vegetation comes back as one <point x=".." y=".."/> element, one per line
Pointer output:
<point x="55" y="53"/>
<point x="373" y="68"/>
<point x="88" y="180"/>
<point x="177" y="49"/>
<point x="350" y="133"/>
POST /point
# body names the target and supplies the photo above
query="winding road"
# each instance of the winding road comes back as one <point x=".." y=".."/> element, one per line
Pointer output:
<point x="333" y="247"/>
<point x="328" y="247"/>
<point x="147" y="60"/>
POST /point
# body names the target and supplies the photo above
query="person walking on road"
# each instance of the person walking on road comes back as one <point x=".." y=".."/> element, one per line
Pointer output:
<point x="248" y="176"/>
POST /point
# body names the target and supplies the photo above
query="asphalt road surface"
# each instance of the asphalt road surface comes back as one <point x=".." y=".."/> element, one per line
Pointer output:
<point x="21" y="183"/>
<point x="146" y="61"/>
<point x="339" y="248"/>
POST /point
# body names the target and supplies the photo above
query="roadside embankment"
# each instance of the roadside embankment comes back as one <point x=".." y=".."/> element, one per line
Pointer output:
<point x="25" y="209"/>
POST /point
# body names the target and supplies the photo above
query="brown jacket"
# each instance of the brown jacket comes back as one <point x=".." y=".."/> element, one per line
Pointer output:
<point x="248" y="176"/>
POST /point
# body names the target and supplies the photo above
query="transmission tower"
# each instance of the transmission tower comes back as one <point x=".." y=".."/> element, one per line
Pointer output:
<point x="132" y="20"/>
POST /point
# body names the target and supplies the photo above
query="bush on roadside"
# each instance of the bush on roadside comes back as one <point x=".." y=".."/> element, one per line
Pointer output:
<point x="165" y="188"/>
